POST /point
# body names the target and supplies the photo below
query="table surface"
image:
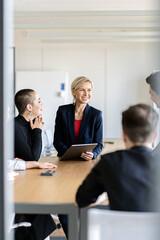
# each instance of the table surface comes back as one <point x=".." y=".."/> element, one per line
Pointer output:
<point x="30" y="186"/>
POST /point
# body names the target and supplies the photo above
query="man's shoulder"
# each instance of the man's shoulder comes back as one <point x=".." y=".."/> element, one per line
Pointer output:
<point x="114" y="155"/>
<point x="118" y="157"/>
<point x="122" y="156"/>
<point x="17" y="121"/>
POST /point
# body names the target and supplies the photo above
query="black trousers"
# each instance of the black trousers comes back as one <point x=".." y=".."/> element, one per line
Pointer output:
<point x="63" y="218"/>
<point x="42" y="226"/>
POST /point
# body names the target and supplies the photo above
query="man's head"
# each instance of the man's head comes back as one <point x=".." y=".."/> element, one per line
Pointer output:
<point x="154" y="81"/>
<point x="139" y="123"/>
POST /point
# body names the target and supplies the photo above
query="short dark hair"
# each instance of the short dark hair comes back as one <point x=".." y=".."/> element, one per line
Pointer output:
<point x="154" y="81"/>
<point x="139" y="123"/>
<point x="22" y="98"/>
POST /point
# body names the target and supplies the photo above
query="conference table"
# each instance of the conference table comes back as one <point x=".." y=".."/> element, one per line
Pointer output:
<point x="36" y="194"/>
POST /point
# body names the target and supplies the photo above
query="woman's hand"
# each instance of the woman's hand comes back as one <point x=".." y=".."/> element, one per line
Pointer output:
<point x="38" y="123"/>
<point x="34" y="164"/>
<point x="18" y="159"/>
<point x="46" y="165"/>
<point x="87" y="156"/>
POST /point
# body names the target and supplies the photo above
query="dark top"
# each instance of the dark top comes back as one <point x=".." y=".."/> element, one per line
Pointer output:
<point x="28" y="142"/>
<point x="91" y="129"/>
<point x="128" y="177"/>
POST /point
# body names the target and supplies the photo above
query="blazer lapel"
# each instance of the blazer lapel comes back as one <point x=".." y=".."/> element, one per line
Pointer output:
<point x="85" y="120"/>
<point x="71" y="123"/>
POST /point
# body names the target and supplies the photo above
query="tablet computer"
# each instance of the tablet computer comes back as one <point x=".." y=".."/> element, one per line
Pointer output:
<point x="75" y="151"/>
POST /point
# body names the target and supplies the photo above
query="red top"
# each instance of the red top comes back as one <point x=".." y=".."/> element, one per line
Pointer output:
<point x="77" y="127"/>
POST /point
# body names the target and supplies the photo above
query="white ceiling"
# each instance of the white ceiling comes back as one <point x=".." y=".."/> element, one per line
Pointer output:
<point x="85" y="5"/>
<point x="88" y="20"/>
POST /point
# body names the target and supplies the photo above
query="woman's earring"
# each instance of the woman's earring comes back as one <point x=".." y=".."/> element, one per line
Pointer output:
<point x="31" y="113"/>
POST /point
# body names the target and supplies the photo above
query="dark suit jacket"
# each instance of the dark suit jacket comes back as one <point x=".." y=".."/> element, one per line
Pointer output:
<point x="128" y="177"/>
<point x="91" y="129"/>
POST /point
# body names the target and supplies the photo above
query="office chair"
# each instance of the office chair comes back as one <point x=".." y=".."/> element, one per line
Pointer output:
<point x="118" y="225"/>
<point x="47" y="139"/>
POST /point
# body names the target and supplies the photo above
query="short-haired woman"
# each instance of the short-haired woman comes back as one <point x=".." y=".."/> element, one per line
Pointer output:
<point x="28" y="125"/>
<point x="28" y="146"/>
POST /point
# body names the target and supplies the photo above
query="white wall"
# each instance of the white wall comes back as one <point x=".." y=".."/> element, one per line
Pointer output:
<point x="117" y="70"/>
<point x="48" y="86"/>
<point x="127" y="67"/>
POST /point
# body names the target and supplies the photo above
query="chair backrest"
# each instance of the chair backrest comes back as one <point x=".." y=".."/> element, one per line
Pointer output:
<point x="47" y="139"/>
<point x="118" y="225"/>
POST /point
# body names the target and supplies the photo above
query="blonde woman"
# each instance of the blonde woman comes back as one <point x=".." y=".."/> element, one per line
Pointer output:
<point x="79" y="123"/>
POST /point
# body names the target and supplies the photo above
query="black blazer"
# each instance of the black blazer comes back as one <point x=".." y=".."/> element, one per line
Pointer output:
<point x="128" y="177"/>
<point x="91" y="129"/>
